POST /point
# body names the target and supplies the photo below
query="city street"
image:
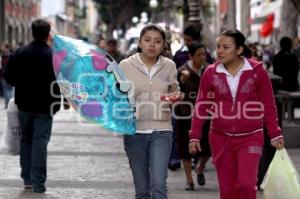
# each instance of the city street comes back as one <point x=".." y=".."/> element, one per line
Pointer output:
<point x="211" y="58"/>
<point x="86" y="162"/>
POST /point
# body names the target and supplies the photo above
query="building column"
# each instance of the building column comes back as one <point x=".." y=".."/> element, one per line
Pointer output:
<point x="2" y="21"/>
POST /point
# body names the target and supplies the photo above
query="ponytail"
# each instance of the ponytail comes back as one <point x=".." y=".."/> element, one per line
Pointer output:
<point x="247" y="52"/>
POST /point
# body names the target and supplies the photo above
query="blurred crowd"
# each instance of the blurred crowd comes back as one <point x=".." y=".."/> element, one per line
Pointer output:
<point x="259" y="51"/>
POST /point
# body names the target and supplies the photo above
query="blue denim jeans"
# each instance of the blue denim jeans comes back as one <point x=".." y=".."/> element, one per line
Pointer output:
<point x="8" y="91"/>
<point x="148" y="156"/>
<point x="36" y="132"/>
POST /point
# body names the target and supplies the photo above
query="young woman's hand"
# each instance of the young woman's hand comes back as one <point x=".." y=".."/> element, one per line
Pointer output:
<point x="173" y="97"/>
<point x="278" y="143"/>
<point x="194" y="147"/>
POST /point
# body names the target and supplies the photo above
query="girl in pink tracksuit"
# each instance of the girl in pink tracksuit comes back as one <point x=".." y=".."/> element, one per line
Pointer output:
<point x="237" y="95"/>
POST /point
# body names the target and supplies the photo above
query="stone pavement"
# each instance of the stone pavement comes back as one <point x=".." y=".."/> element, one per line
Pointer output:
<point x="85" y="162"/>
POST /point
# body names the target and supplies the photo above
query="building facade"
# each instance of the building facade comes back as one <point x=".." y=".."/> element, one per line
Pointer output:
<point x="15" y="20"/>
<point x="265" y="20"/>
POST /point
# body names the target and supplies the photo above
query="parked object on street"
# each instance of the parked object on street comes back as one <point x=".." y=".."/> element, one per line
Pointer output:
<point x="11" y="137"/>
<point x="94" y="84"/>
<point x="282" y="178"/>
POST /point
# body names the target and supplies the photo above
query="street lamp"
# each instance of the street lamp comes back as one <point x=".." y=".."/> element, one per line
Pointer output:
<point x="135" y="19"/>
<point x="153" y="5"/>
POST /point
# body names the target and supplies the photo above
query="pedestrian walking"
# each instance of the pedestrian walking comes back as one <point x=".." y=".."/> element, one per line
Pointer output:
<point x="190" y="34"/>
<point x="237" y="92"/>
<point x="286" y="65"/>
<point x="8" y="90"/>
<point x="154" y="80"/>
<point x="29" y="69"/>
<point x="189" y="76"/>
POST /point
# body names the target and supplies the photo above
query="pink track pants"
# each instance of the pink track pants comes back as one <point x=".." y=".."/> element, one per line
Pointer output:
<point x="236" y="160"/>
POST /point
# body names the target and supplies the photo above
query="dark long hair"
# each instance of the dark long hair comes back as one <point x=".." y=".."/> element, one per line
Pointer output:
<point x="194" y="47"/>
<point x="152" y="27"/>
<point x="239" y="40"/>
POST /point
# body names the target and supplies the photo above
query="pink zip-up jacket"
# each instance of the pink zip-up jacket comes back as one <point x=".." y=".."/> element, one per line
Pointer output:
<point x="253" y="108"/>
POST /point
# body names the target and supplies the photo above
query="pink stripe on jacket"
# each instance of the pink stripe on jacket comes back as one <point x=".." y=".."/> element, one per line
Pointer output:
<point x="254" y="106"/>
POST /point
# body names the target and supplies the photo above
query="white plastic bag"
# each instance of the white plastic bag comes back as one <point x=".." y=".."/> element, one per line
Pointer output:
<point x="11" y="137"/>
<point x="281" y="180"/>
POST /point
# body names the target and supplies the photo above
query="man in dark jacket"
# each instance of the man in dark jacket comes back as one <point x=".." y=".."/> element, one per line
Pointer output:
<point x="285" y="64"/>
<point x="37" y="96"/>
<point x="190" y="35"/>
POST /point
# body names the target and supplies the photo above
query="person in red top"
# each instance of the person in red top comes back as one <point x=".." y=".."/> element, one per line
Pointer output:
<point x="237" y="94"/>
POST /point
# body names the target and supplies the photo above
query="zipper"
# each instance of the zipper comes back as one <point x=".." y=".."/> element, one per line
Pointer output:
<point x="150" y="94"/>
<point x="237" y="91"/>
<point x="222" y="77"/>
<point x="233" y="103"/>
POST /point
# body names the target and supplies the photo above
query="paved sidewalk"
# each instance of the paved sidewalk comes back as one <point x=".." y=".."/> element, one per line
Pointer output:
<point x="85" y="162"/>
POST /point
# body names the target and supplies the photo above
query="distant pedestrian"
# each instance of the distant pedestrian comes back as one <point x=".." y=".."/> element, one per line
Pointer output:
<point x="7" y="88"/>
<point x="37" y="96"/>
<point x="190" y="34"/>
<point x="237" y="93"/>
<point x="296" y="48"/>
<point x="112" y="49"/>
<point x="101" y="42"/>
<point x="286" y="65"/>
<point x="153" y="77"/>
<point x="189" y="76"/>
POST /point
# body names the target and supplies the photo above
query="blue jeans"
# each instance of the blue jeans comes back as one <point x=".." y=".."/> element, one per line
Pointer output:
<point x="8" y="91"/>
<point x="148" y="156"/>
<point x="36" y="132"/>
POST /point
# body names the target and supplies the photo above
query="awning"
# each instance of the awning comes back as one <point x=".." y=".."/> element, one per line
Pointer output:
<point x="263" y="14"/>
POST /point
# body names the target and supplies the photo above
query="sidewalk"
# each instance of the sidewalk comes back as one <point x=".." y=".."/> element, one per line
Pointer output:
<point x="85" y="162"/>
